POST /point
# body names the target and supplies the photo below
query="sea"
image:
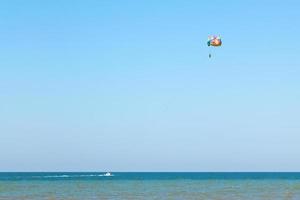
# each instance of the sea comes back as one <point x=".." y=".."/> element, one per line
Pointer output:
<point x="144" y="185"/>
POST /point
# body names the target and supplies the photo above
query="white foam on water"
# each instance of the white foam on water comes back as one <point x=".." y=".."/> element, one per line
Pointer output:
<point x="73" y="176"/>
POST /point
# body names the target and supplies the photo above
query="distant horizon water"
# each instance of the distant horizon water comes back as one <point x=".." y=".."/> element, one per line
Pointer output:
<point x="222" y="186"/>
<point x="146" y="175"/>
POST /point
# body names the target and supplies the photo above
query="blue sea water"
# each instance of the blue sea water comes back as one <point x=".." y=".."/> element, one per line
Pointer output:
<point x="91" y="185"/>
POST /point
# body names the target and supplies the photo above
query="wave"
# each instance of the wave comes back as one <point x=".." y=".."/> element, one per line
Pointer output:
<point x="72" y="176"/>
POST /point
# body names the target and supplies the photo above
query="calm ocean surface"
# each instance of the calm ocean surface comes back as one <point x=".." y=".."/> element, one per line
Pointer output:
<point x="215" y="186"/>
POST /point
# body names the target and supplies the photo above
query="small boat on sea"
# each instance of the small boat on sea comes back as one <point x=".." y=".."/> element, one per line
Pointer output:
<point x="107" y="174"/>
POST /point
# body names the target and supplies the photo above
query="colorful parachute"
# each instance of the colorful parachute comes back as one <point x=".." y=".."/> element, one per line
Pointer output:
<point x="214" y="41"/>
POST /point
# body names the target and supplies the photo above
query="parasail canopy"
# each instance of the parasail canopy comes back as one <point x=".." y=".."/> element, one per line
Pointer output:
<point x="214" y="41"/>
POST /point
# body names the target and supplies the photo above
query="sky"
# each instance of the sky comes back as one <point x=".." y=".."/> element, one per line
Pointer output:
<point x="128" y="86"/>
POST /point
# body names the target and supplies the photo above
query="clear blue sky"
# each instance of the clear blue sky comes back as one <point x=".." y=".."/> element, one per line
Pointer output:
<point x="128" y="86"/>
